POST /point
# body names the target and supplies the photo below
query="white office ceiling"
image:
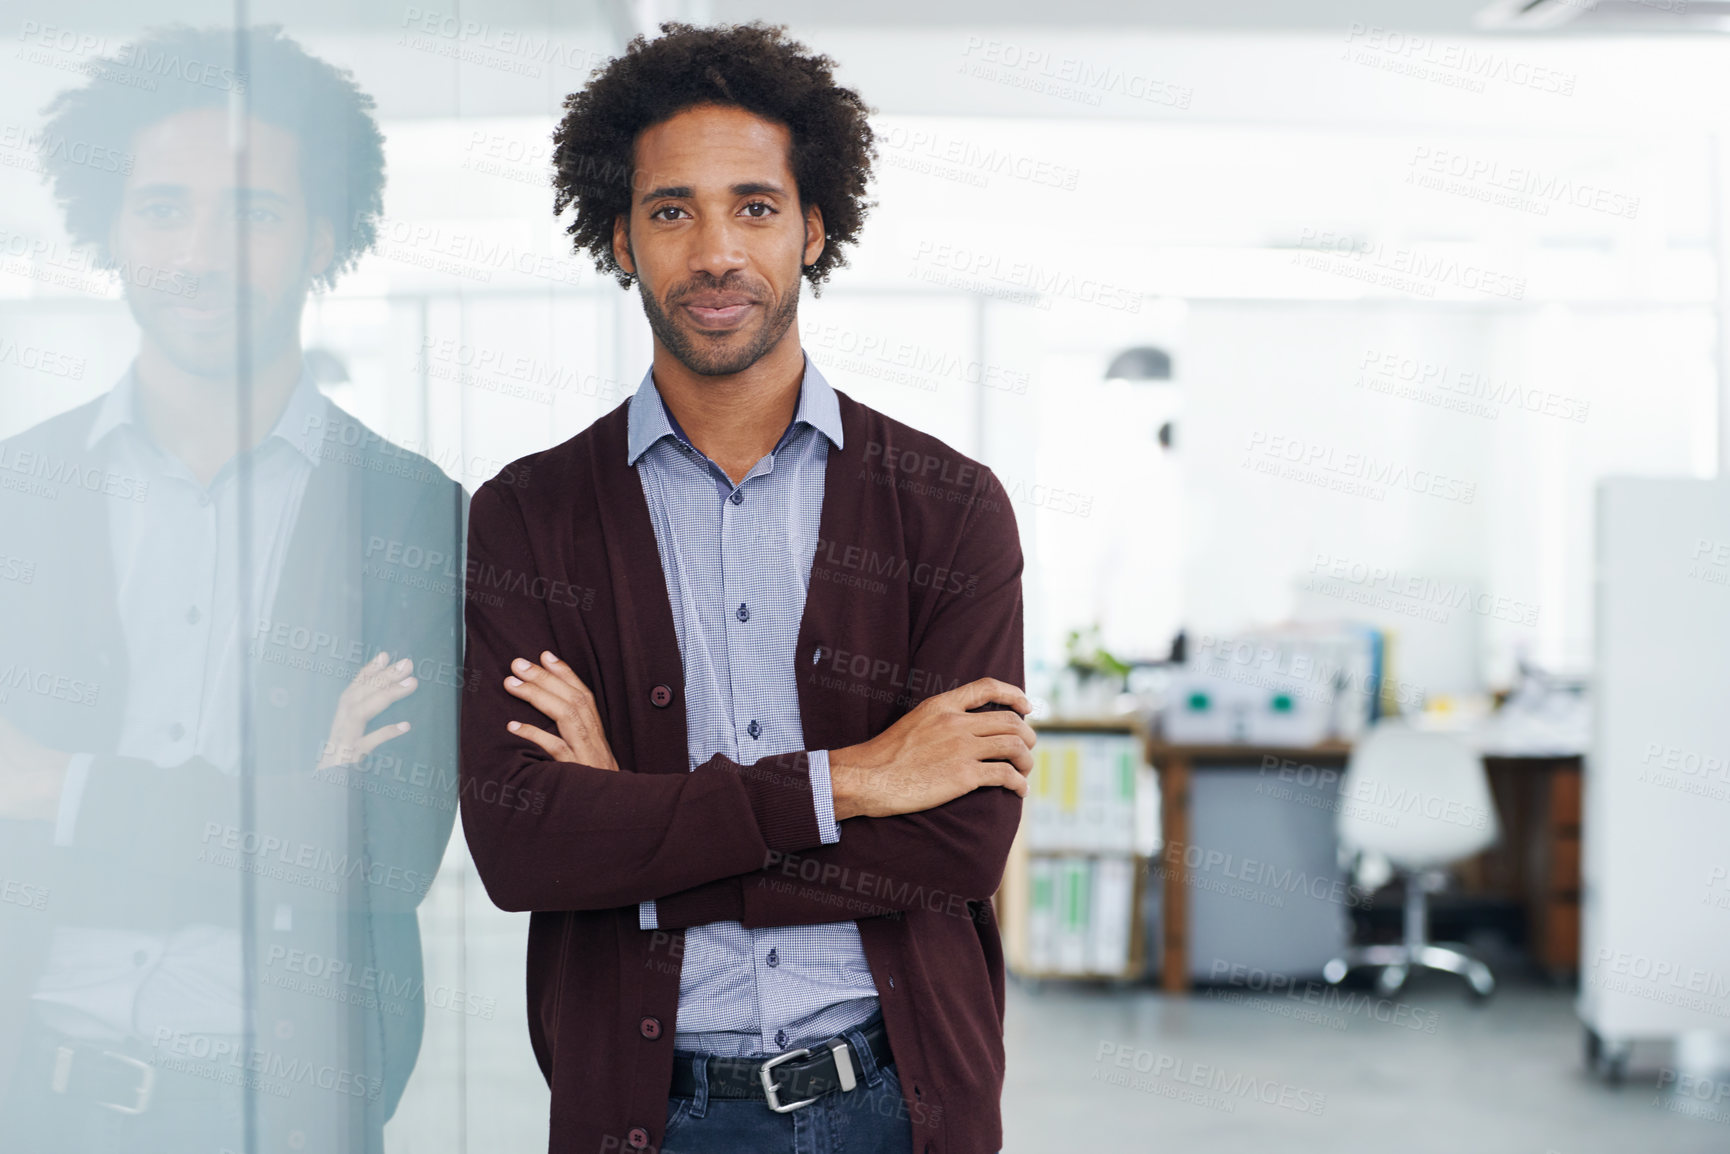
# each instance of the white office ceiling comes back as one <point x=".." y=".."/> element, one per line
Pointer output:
<point x="1456" y="17"/>
<point x="1220" y="15"/>
<point x="1417" y="16"/>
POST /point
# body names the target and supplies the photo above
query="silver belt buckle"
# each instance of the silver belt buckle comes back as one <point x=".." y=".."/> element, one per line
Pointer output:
<point x="768" y="1080"/>
<point x="62" y="1078"/>
<point x="146" y="1083"/>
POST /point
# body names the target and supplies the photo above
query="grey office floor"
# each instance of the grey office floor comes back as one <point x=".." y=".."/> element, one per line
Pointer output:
<point x="1268" y="1074"/>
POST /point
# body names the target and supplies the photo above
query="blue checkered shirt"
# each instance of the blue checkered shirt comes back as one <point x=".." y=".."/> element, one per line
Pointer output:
<point x="737" y="561"/>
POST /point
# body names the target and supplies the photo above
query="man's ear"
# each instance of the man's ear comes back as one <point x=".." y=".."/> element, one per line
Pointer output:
<point x="323" y="249"/>
<point x="622" y="243"/>
<point x="814" y="236"/>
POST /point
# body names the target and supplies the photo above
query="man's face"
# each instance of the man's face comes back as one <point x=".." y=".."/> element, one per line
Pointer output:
<point x="176" y="241"/>
<point x="716" y="236"/>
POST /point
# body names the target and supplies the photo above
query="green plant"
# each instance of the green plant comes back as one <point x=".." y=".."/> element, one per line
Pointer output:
<point x="1084" y="654"/>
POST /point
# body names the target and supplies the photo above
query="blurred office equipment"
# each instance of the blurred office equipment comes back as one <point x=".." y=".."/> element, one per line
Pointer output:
<point x="1293" y="686"/>
<point x="1432" y="623"/>
<point x="1545" y="712"/>
<point x="1416" y="802"/>
<point x="1655" y="949"/>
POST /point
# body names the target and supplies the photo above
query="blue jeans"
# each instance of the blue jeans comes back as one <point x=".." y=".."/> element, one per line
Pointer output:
<point x="869" y="1119"/>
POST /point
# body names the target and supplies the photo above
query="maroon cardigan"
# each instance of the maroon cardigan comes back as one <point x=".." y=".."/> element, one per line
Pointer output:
<point x="915" y="588"/>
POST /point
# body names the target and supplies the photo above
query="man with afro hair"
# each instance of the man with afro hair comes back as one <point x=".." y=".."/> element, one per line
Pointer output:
<point x="781" y="744"/>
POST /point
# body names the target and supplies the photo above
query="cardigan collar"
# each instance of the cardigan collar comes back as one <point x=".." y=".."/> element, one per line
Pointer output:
<point x="648" y="419"/>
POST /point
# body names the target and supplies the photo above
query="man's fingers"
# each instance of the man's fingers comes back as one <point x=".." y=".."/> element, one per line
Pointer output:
<point x="988" y="689"/>
<point x="1007" y="747"/>
<point x="565" y="673"/>
<point x="551" y="742"/>
<point x="996" y="773"/>
<point x="374" y="674"/>
<point x="380" y="698"/>
<point x="353" y="750"/>
<point x="540" y="689"/>
<point x="996" y="721"/>
<point x="378" y="737"/>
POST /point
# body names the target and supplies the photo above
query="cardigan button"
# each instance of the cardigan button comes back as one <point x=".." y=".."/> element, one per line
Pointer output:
<point x="661" y="696"/>
<point x="650" y="1027"/>
<point x="637" y="1138"/>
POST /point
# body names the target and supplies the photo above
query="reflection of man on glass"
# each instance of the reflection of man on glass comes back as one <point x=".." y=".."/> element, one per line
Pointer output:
<point x="779" y="797"/>
<point x="226" y="755"/>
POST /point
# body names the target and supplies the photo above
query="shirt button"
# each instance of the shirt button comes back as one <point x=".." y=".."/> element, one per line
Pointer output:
<point x="781" y="1039"/>
<point x="176" y="731"/>
<point x="192" y="615"/>
<point x="139" y="958"/>
<point x="742" y="613"/>
<point x="774" y="958"/>
<point x="637" y="1138"/>
<point x="753" y="729"/>
<point x="738" y="497"/>
<point x="204" y="500"/>
<point x="650" y="1027"/>
<point x="816" y="655"/>
<point x="661" y="696"/>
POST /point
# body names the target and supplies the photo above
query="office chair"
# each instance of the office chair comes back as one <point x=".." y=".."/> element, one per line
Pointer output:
<point x="1421" y="800"/>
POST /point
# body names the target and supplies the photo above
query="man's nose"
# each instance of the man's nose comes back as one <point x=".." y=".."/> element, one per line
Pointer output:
<point x="718" y="247"/>
<point x="208" y="245"/>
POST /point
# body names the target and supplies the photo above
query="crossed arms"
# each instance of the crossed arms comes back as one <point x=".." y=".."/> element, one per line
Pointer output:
<point x="929" y="805"/>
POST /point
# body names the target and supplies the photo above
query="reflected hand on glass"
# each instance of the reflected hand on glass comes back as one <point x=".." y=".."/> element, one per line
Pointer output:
<point x="31" y="776"/>
<point x="554" y="688"/>
<point x="374" y="689"/>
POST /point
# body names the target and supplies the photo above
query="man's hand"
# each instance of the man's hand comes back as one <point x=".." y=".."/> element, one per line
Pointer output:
<point x="31" y="776"/>
<point x="554" y="689"/>
<point x="936" y="753"/>
<point x="374" y="688"/>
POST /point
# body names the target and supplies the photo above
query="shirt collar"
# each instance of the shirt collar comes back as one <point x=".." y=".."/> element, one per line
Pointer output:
<point x="648" y="419"/>
<point x="299" y="423"/>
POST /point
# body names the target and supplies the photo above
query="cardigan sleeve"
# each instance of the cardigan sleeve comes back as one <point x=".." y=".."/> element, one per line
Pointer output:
<point x="941" y="858"/>
<point x="551" y="835"/>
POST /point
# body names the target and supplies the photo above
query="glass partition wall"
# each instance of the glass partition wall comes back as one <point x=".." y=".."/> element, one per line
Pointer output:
<point x="279" y="286"/>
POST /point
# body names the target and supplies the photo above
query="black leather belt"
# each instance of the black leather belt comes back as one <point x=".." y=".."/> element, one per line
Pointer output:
<point x="799" y="1076"/>
<point x="67" y="1073"/>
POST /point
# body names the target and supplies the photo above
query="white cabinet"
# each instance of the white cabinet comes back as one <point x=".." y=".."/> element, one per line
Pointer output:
<point x="1655" y="940"/>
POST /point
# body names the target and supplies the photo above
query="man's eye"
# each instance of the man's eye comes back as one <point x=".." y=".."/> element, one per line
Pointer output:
<point x="665" y="208"/>
<point x="762" y="204"/>
<point x="159" y="212"/>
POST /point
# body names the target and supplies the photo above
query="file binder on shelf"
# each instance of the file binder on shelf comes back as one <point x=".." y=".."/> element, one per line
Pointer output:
<point x="1070" y="901"/>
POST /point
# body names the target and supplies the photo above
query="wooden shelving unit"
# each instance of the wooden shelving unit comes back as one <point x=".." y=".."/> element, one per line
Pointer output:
<point x="1014" y="897"/>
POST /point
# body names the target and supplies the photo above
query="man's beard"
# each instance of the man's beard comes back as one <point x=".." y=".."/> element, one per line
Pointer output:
<point x="715" y="360"/>
<point x="215" y="351"/>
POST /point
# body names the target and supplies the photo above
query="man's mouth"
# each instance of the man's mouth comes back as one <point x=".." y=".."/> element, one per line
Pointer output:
<point x="200" y="314"/>
<point x="718" y="314"/>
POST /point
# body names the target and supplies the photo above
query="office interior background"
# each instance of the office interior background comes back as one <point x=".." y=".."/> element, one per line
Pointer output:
<point x="1360" y="376"/>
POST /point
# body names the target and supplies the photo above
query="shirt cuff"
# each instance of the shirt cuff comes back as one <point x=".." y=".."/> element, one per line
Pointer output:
<point x="646" y="916"/>
<point x="71" y="796"/>
<point x="823" y="795"/>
